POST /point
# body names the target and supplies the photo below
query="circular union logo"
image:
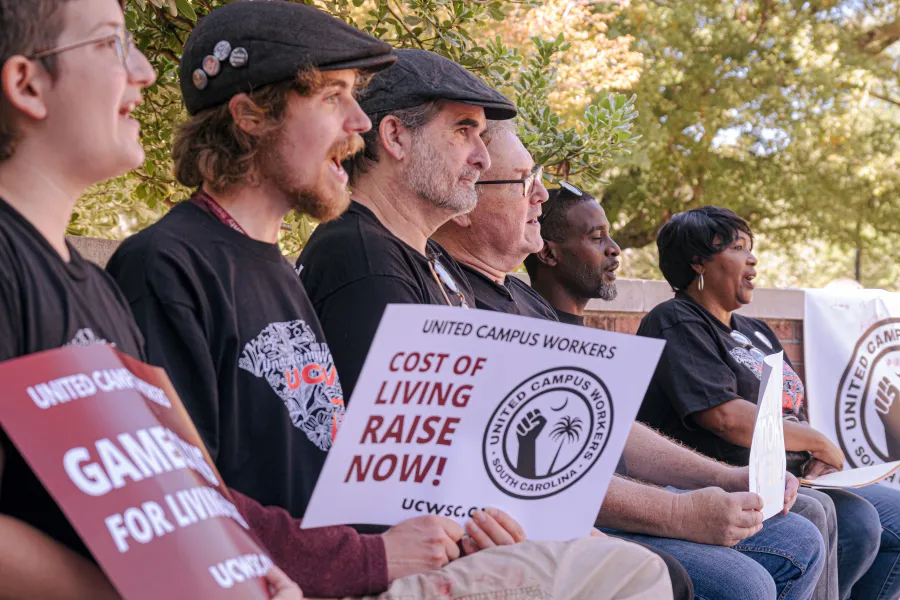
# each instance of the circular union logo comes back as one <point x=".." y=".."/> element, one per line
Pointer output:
<point x="547" y="433"/>
<point x="867" y="408"/>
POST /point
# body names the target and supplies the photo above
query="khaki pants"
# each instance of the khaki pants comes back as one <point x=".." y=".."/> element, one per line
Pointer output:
<point x="583" y="569"/>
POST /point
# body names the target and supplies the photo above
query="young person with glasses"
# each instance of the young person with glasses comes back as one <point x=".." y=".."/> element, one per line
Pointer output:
<point x="705" y="389"/>
<point x="69" y="79"/>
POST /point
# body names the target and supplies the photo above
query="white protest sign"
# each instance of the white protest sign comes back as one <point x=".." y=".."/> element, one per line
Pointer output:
<point x="767" y="458"/>
<point x="852" y="354"/>
<point x="462" y="409"/>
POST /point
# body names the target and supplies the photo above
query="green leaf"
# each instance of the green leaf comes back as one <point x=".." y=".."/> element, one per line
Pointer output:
<point x="185" y="8"/>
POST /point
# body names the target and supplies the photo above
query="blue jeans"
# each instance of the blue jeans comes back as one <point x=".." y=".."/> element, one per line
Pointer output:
<point x="858" y="533"/>
<point x="882" y="580"/>
<point x="782" y="561"/>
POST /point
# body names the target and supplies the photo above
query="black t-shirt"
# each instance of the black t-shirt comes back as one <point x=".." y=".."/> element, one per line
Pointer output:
<point x="353" y="268"/>
<point x="701" y="367"/>
<point x="569" y="318"/>
<point x="514" y="296"/>
<point x="46" y="303"/>
<point x="227" y="317"/>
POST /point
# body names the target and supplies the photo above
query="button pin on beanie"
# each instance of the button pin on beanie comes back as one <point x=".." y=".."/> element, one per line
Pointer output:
<point x="212" y="63"/>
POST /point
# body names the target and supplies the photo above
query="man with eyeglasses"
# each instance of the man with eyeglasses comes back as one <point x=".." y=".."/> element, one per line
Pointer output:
<point x="717" y="535"/>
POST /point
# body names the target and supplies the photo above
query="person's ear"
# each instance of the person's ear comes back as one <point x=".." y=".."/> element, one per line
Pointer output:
<point x="25" y="85"/>
<point x="246" y="114"/>
<point x="548" y="254"/>
<point x="698" y="268"/>
<point x="395" y="138"/>
<point x="462" y="221"/>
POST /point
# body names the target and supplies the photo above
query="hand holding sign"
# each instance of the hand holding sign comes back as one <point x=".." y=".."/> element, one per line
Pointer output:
<point x="767" y="455"/>
<point x="419" y="545"/>
<point x="281" y="586"/>
<point x="490" y="528"/>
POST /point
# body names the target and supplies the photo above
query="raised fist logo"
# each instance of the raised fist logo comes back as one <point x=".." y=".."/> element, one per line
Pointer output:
<point x="528" y="430"/>
<point x="887" y="405"/>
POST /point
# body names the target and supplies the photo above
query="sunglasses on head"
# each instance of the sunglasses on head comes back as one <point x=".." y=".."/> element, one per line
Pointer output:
<point x="564" y="188"/>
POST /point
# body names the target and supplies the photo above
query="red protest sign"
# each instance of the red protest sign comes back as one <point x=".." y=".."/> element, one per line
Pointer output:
<point x="110" y="440"/>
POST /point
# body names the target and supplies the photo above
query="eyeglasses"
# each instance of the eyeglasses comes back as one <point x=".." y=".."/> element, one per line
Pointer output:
<point x="537" y="173"/>
<point x="122" y="38"/>
<point x="564" y="187"/>
<point x="446" y="282"/>
<point x="744" y="341"/>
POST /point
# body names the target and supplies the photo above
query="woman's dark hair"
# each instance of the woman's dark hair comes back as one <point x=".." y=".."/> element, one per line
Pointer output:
<point x="694" y="236"/>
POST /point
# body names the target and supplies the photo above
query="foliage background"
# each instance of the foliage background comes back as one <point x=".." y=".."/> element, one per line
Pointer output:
<point x="783" y="110"/>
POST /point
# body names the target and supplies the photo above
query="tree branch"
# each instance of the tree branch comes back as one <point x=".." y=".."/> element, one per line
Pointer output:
<point x="766" y="13"/>
<point x="402" y="24"/>
<point x="885" y="98"/>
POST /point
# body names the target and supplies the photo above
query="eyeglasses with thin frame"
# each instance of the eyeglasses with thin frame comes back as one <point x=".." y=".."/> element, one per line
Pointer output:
<point x="528" y="182"/>
<point x="446" y="282"/>
<point x="564" y="186"/>
<point x="122" y="38"/>
<point x="744" y="341"/>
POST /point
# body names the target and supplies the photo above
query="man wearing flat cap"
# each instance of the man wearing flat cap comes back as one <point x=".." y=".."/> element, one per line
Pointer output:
<point x="418" y="170"/>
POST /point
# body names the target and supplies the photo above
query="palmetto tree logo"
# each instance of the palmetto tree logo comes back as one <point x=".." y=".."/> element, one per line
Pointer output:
<point x="548" y="432"/>
<point x="566" y="430"/>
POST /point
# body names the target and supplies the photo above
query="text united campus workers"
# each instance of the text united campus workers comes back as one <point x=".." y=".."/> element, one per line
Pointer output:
<point x="782" y="558"/>
<point x="706" y="255"/>
<point x="69" y="80"/>
<point x="418" y="170"/>
<point x="270" y="88"/>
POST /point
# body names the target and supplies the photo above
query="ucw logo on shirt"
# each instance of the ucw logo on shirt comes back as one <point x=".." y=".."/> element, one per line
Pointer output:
<point x="300" y="370"/>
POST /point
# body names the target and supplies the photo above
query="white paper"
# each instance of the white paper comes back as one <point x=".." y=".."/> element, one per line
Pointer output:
<point x="855" y="477"/>
<point x="535" y="417"/>
<point x="767" y="457"/>
<point x="852" y="359"/>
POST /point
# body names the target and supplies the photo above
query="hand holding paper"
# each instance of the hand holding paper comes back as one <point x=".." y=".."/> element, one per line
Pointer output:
<point x="767" y="455"/>
<point x="854" y="477"/>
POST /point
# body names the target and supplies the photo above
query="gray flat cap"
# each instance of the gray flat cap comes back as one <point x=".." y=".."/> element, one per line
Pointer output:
<point x="246" y="45"/>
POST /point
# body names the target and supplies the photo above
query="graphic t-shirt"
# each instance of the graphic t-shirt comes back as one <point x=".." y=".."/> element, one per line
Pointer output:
<point x="703" y="366"/>
<point x="229" y="320"/>
<point x="46" y="303"/>
<point x="353" y="268"/>
<point x="514" y="296"/>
